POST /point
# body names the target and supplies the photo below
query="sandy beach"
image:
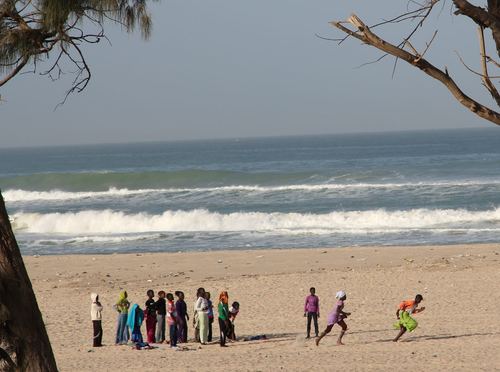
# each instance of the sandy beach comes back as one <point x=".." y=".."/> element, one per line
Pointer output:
<point x="459" y="330"/>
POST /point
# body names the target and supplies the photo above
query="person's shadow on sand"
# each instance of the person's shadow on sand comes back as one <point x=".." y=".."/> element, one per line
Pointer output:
<point x="441" y="337"/>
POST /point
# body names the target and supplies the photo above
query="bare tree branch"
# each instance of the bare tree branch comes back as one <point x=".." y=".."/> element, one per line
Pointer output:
<point x="364" y="34"/>
<point x="486" y="79"/>
<point x="485" y="18"/>
<point x="489" y="59"/>
<point x="472" y="70"/>
<point x="15" y="71"/>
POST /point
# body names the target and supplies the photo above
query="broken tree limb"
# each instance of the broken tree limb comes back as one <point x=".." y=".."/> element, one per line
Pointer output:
<point x="364" y="34"/>
<point x="485" y="76"/>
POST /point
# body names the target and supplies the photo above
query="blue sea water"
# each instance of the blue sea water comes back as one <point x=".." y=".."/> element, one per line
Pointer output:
<point x="434" y="187"/>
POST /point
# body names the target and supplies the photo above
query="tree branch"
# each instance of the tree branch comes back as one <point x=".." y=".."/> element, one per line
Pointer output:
<point x="482" y="17"/>
<point x="486" y="79"/>
<point x="15" y="71"/>
<point x="364" y="34"/>
<point x="476" y="13"/>
<point x="472" y="70"/>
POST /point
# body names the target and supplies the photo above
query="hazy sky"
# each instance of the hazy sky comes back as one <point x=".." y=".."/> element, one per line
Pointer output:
<point x="226" y="68"/>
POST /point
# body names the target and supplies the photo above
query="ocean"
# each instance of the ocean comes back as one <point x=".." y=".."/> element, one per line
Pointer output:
<point x="399" y="188"/>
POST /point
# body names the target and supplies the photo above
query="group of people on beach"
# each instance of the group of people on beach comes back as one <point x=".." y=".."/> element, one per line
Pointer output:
<point x="164" y="311"/>
<point x="157" y="313"/>
<point x="405" y="321"/>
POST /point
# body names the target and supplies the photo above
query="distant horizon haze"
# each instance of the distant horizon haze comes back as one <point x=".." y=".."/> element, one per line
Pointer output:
<point x="249" y="138"/>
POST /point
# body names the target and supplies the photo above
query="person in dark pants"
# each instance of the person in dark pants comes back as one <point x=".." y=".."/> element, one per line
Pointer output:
<point x="161" y="312"/>
<point x="311" y="311"/>
<point x="182" y="317"/>
<point x="150" y="313"/>
<point x="223" y="310"/>
<point x="210" y="313"/>
<point x="95" y="313"/>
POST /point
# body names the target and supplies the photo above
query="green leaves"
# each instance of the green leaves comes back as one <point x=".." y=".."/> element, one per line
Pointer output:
<point x="58" y="14"/>
<point x="33" y="30"/>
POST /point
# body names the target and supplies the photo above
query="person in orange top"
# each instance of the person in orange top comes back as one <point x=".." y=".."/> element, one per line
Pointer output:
<point x="403" y="313"/>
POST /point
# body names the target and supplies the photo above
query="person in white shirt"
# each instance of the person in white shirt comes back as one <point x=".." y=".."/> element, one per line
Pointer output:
<point x="96" y="316"/>
<point x="201" y="309"/>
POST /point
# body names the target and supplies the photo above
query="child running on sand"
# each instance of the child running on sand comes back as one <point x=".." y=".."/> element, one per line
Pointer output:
<point x="150" y="314"/>
<point x="172" y="320"/>
<point x="311" y="311"/>
<point x="95" y="314"/>
<point x="405" y="321"/>
<point x="337" y="316"/>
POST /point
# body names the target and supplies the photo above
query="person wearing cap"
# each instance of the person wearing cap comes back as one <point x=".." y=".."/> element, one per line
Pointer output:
<point x="337" y="316"/>
<point x="403" y="313"/>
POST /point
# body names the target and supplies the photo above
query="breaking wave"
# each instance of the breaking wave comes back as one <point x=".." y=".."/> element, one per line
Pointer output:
<point x="19" y="195"/>
<point x="376" y="221"/>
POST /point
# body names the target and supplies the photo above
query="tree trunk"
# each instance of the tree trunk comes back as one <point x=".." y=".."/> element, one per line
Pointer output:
<point x="24" y="343"/>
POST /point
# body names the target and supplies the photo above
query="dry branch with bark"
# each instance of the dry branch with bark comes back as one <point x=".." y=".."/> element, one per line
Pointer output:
<point x="485" y="17"/>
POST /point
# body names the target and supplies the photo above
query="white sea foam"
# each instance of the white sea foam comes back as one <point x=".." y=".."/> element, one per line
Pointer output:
<point x="24" y="196"/>
<point x="18" y="195"/>
<point x="114" y="222"/>
<point x="107" y="239"/>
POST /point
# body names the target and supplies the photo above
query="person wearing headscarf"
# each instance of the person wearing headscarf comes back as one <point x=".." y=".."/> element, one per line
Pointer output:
<point x="337" y="316"/>
<point x="223" y="311"/>
<point x="201" y="308"/>
<point x="134" y="322"/>
<point x="95" y="314"/>
<point x="122" y="306"/>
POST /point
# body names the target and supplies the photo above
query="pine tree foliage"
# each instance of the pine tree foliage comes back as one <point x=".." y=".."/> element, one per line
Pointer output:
<point x="54" y="31"/>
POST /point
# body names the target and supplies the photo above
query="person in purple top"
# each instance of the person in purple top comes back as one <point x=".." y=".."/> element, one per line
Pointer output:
<point x="182" y="317"/>
<point x="337" y="316"/>
<point x="311" y="311"/>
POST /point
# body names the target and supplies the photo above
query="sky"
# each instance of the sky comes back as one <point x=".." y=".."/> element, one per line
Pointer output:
<point x="234" y="69"/>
